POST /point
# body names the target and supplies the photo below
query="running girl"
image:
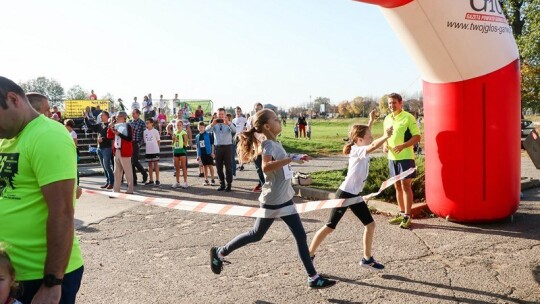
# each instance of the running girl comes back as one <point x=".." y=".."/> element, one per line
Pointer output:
<point x="277" y="193"/>
<point x="360" y="145"/>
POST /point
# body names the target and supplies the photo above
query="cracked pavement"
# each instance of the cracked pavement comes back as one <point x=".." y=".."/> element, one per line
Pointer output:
<point x="148" y="254"/>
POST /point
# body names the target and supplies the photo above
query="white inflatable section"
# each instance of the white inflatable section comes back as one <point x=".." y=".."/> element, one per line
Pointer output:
<point x="445" y="42"/>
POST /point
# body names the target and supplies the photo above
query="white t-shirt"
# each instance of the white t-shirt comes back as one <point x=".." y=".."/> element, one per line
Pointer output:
<point x="161" y="103"/>
<point x="358" y="170"/>
<point x="240" y="123"/>
<point x="135" y="105"/>
<point x="145" y="106"/>
<point x="151" y="139"/>
<point x="73" y="134"/>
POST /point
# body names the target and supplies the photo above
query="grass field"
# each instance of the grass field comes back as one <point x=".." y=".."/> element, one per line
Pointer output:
<point x="326" y="136"/>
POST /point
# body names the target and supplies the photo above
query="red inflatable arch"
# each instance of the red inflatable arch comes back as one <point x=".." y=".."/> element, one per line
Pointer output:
<point x="469" y="63"/>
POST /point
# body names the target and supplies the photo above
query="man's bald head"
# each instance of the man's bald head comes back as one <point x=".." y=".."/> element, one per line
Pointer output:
<point x="40" y="103"/>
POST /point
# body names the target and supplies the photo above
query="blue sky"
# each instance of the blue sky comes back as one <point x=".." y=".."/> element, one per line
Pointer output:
<point x="235" y="52"/>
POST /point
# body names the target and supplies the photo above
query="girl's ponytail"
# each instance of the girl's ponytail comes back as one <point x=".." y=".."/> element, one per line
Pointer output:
<point x="347" y="148"/>
<point x="247" y="147"/>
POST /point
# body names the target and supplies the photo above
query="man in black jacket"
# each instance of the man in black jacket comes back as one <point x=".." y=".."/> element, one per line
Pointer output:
<point x="104" y="150"/>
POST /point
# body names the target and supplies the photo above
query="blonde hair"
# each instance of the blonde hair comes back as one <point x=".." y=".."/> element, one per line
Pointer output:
<point x="248" y="142"/>
<point x="357" y="131"/>
<point x="5" y="261"/>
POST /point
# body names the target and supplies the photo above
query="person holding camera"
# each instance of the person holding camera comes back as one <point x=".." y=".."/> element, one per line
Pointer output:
<point x="122" y="135"/>
<point x="223" y="135"/>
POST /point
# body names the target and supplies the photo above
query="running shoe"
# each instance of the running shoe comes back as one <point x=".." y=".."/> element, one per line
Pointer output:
<point x="406" y="223"/>
<point x="321" y="282"/>
<point x="216" y="264"/>
<point x="371" y="264"/>
<point x="176" y="185"/>
<point x="201" y="174"/>
<point x="158" y="183"/>
<point x="185" y="185"/>
<point x="206" y="183"/>
<point x="213" y="182"/>
<point x="396" y="220"/>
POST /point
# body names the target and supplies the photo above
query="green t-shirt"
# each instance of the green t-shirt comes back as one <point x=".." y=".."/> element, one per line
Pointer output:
<point x="41" y="154"/>
<point x="405" y="127"/>
<point x="179" y="144"/>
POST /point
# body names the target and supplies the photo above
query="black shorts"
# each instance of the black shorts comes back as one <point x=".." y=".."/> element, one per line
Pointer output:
<point x="151" y="157"/>
<point x="207" y="160"/>
<point x="398" y="166"/>
<point x="179" y="154"/>
<point x="360" y="210"/>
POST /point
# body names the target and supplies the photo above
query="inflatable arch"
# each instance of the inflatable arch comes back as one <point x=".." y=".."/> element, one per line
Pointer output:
<point x="469" y="64"/>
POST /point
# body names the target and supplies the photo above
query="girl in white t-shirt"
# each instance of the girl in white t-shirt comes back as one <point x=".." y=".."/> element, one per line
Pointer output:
<point x="360" y="145"/>
<point x="152" y="140"/>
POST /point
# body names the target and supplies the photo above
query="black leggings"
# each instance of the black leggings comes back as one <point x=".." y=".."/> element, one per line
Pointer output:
<point x="360" y="210"/>
<point x="261" y="227"/>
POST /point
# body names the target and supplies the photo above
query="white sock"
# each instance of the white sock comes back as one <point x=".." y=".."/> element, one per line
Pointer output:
<point x="313" y="278"/>
<point x="220" y="256"/>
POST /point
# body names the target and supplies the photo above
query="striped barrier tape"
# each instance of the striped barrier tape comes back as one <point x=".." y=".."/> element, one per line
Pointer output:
<point x="234" y="210"/>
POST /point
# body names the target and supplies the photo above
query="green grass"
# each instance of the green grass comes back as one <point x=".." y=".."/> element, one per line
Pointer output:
<point x="326" y="136"/>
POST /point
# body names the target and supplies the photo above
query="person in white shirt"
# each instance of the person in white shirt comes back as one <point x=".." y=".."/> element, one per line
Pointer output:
<point x="152" y="140"/>
<point x="161" y="104"/>
<point x="360" y="145"/>
<point x="240" y="123"/>
<point x="135" y="104"/>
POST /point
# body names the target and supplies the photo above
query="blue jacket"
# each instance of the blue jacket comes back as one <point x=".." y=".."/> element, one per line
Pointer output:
<point x="208" y="142"/>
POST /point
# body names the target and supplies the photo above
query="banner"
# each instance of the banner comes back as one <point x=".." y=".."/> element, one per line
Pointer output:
<point x="75" y="108"/>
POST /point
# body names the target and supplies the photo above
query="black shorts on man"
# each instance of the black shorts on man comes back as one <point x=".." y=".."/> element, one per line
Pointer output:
<point x="399" y="166"/>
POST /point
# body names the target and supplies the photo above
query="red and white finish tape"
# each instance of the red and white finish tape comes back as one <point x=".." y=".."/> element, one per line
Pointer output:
<point x="234" y="210"/>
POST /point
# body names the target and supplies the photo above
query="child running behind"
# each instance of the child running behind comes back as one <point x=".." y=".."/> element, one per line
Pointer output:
<point x="179" y="153"/>
<point x="8" y="285"/>
<point x="205" y="153"/>
<point x="277" y="193"/>
<point x="360" y="146"/>
<point x="152" y="140"/>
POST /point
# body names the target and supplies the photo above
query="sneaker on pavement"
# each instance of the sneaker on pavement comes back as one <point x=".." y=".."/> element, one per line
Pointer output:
<point x="213" y="182"/>
<point x="396" y="220"/>
<point x="216" y="264"/>
<point x="221" y="187"/>
<point x="158" y="183"/>
<point x="371" y="264"/>
<point x="176" y="185"/>
<point x="201" y="174"/>
<point x="104" y="186"/>
<point x="406" y="223"/>
<point x="184" y="185"/>
<point x="321" y="282"/>
<point x="110" y="187"/>
<point x="206" y="183"/>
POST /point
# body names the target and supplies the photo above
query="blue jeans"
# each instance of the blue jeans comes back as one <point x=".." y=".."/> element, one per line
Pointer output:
<point x="70" y="287"/>
<point x="234" y="158"/>
<point x="105" y="157"/>
<point x="261" y="227"/>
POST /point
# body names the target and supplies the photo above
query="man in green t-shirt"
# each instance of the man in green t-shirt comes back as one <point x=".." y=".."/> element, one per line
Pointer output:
<point x="38" y="168"/>
<point x="401" y="155"/>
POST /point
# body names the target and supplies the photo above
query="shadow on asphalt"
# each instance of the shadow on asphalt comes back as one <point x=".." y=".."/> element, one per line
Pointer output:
<point x="342" y="301"/>
<point x="536" y="274"/>
<point x="431" y="295"/>
<point x="522" y="224"/>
